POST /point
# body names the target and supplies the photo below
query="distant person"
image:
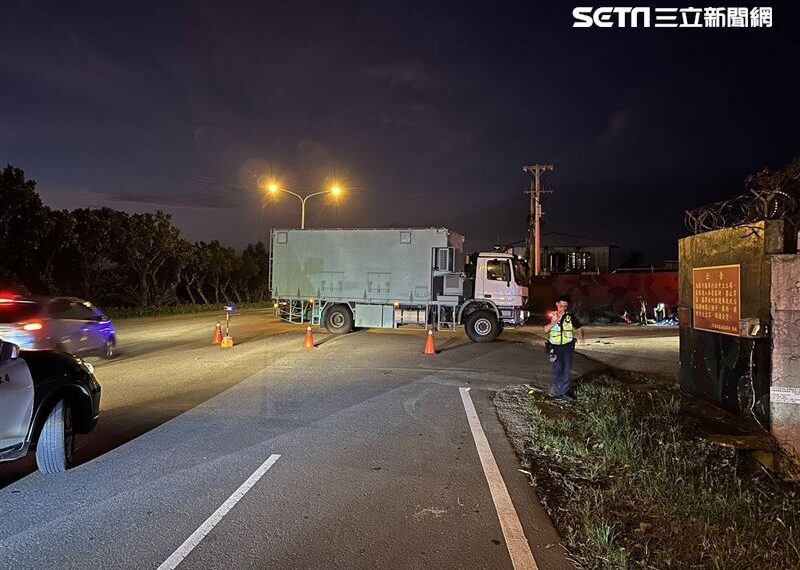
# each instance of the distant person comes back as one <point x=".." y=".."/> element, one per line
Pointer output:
<point x="561" y="346"/>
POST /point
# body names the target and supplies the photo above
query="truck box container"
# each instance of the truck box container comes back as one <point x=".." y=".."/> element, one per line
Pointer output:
<point x="365" y="266"/>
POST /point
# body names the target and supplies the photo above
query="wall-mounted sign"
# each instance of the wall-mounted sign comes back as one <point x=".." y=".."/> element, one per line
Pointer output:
<point x="784" y="395"/>
<point x="717" y="298"/>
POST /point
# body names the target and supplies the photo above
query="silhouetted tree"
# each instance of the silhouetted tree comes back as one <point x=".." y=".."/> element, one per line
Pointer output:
<point x="23" y="222"/>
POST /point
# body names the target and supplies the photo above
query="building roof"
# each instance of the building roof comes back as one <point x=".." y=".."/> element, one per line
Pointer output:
<point x="558" y="239"/>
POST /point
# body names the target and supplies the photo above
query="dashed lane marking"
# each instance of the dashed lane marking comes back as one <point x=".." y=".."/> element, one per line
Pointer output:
<point x="190" y="543"/>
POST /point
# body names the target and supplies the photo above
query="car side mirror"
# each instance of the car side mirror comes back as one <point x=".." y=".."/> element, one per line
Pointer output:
<point x="8" y="351"/>
<point x="102" y="319"/>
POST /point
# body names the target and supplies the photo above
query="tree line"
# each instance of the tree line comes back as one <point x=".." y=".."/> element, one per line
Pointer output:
<point x="116" y="258"/>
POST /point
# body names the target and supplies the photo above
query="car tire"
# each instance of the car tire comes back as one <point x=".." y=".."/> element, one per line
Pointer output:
<point x="109" y="348"/>
<point x="56" y="440"/>
<point x="339" y="319"/>
<point x="482" y="326"/>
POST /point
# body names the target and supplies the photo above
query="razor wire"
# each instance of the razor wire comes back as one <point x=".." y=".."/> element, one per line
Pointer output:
<point x="770" y="196"/>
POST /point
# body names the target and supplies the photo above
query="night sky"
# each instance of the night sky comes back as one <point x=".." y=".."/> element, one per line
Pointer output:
<point x="425" y="112"/>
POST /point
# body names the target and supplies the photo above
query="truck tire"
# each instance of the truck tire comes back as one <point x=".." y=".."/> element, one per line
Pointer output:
<point x="482" y="326"/>
<point x="339" y="319"/>
<point x="56" y="440"/>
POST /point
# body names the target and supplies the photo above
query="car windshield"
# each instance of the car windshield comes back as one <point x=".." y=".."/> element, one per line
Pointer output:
<point x="17" y="311"/>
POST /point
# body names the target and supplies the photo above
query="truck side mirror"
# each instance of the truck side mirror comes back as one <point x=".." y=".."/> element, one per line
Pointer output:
<point x="507" y="274"/>
<point x="8" y="351"/>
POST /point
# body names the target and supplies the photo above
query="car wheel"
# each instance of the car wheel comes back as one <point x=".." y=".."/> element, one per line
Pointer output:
<point x="482" y="326"/>
<point x="109" y="349"/>
<point x="56" y="440"/>
<point x="339" y="319"/>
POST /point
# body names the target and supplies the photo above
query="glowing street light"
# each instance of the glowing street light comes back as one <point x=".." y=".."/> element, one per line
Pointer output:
<point x="274" y="187"/>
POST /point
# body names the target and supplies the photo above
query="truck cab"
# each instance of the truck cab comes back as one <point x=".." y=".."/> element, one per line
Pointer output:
<point x="502" y="278"/>
<point x="494" y="294"/>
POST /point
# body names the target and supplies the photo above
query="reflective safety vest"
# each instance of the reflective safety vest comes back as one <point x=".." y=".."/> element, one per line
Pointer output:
<point x="561" y="333"/>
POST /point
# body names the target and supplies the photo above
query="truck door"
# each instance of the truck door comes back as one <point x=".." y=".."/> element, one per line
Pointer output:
<point x="493" y="281"/>
<point x="16" y="398"/>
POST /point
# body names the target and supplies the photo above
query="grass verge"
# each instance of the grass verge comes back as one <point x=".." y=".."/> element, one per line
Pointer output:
<point x="630" y="482"/>
<point x="187" y="309"/>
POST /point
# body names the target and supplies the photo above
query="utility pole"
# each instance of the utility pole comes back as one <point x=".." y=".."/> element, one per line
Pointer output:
<point x="534" y="228"/>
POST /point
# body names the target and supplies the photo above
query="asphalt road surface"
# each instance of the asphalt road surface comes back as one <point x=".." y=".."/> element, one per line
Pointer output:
<point x="357" y="454"/>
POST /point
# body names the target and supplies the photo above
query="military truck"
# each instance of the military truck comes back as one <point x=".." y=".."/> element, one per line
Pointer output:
<point x="359" y="278"/>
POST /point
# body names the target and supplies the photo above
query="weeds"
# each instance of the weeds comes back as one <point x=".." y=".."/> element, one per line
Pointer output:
<point x="631" y="484"/>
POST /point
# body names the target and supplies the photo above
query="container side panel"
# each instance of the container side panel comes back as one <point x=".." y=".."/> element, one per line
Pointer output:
<point x="366" y="266"/>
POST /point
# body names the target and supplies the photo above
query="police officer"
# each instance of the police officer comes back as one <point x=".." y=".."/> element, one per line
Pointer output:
<point x="561" y="336"/>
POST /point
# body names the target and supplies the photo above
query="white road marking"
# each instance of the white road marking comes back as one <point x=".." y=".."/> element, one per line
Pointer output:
<point x="198" y="535"/>
<point x="517" y="544"/>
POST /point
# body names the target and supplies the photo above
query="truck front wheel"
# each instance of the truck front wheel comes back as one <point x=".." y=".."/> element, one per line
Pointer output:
<point x="482" y="326"/>
<point x="339" y="319"/>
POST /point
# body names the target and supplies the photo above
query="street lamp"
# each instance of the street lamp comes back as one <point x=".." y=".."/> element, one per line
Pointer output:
<point x="274" y="188"/>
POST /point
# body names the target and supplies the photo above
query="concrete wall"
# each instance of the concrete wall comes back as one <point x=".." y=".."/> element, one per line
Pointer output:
<point x="732" y="372"/>
<point x="785" y="390"/>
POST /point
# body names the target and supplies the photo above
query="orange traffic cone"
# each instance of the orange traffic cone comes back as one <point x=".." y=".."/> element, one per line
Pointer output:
<point x="309" y="338"/>
<point x="218" y="335"/>
<point x="429" y="347"/>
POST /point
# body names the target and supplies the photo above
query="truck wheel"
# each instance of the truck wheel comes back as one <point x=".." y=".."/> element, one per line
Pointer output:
<point x="482" y="326"/>
<point x="339" y="319"/>
<point x="56" y="440"/>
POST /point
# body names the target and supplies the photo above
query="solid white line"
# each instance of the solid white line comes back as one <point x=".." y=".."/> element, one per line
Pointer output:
<point x="198" y="535"/>
<point x="517" y="544"/>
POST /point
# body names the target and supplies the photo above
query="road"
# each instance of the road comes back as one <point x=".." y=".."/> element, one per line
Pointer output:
<point x="377" y="467"/>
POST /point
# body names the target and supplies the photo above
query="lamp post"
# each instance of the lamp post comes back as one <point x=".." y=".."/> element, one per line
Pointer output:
<point x="274" y="188"/>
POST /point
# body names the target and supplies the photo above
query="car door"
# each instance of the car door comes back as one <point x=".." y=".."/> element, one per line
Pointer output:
<point x="61" y="327"/>
<point x="16" y="398"/>
<point x="91" y="326"/>
<point x="497" y="281"/>
<point x="83" y="323"/>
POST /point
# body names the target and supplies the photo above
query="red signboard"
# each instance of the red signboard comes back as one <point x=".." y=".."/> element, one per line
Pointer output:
<point x="717" y="299"/>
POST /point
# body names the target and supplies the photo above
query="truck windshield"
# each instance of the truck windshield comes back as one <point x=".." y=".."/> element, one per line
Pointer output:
<point x="520" y="274"/>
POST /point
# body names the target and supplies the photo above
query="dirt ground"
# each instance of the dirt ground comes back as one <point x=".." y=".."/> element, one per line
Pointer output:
<point x="651" y="349"/>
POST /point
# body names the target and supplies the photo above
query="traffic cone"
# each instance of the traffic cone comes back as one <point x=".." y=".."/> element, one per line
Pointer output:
<point x="218" y="335"/>
<point x="429" y="347"/>
<point x="309" y="338"/>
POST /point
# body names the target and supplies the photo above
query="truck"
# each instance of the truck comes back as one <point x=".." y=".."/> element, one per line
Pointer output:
<point x="363" y="278"/>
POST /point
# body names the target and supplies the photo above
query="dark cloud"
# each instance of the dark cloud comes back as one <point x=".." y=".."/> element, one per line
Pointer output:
<point x="426" y="112"/>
